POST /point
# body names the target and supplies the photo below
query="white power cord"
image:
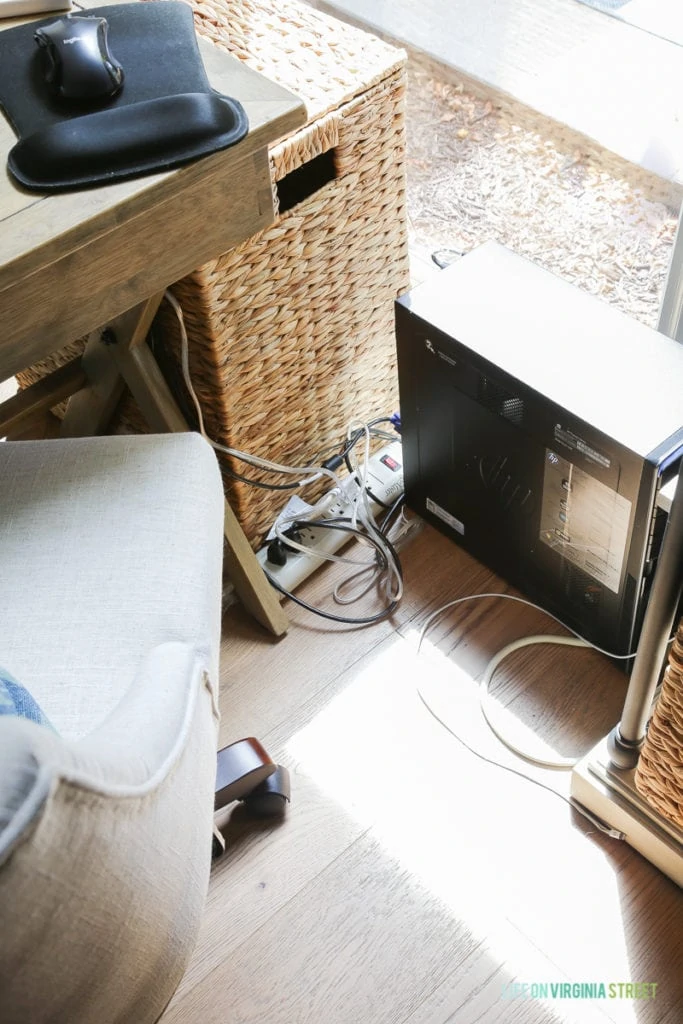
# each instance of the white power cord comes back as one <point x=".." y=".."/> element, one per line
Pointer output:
<point x="316" y="472"/>
<point x="600" y="825"/>
<point x="393" y="581"/>
<point x="521" y="600"/>
<point x="360" y="516"/>
<point x="360" y="509"/>
<point x="395" y="536"/>
<point x="486" y="701"/>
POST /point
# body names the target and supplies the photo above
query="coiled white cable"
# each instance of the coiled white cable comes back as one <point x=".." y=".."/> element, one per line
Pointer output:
<point x="486" y="702"/>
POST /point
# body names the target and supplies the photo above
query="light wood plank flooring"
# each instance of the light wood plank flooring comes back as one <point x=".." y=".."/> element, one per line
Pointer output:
<point x="412" y="882"/>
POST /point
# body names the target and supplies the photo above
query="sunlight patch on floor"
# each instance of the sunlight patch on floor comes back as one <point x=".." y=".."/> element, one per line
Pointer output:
<point x="444" y="815"/>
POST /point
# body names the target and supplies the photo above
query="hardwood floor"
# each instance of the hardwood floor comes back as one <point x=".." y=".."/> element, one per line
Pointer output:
<point x="412" y="882"/>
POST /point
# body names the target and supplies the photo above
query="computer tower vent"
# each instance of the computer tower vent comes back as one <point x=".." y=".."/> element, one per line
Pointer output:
<point x="582" y="589"/>
<point x="500" y="400"/>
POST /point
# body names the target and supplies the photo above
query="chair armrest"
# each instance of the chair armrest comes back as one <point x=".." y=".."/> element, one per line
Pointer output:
<point x="112" y="868"/>
<point x="136" y="746"/>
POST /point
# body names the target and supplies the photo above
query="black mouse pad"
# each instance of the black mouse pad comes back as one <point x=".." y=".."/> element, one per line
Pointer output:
<point x="65" y="145"/>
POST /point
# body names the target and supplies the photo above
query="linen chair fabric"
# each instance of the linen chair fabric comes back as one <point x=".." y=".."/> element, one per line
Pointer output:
<point x="110" y="559"/>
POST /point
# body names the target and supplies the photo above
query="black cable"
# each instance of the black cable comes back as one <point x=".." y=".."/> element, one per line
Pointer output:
<point x="367" y="621"/>
<point x="393" y="552"/>
<point x="378" y="501"/>
<point x="343" y="525"/>
<point x="350" y="442"/>
<point x="396" y="507"/>
<point x="379" y="545"/>
<point x="260" y="483"/>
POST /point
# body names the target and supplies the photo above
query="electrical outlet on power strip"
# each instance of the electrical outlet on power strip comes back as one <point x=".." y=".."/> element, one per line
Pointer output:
<point x="384" y="480"/>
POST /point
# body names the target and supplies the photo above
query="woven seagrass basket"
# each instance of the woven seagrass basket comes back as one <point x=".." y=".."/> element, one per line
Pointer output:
<point x="291" y="334"/>
<point x="659" y="775"/>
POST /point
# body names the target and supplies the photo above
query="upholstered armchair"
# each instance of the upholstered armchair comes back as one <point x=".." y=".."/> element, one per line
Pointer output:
<point x="110" y="600"/>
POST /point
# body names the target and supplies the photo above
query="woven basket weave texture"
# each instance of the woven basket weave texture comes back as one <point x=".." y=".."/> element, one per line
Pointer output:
<point x="291" y="334"/>
<point x="659" y="775"/>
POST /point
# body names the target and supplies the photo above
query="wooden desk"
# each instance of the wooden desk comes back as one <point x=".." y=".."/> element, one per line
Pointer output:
<point x="97" y="262"/>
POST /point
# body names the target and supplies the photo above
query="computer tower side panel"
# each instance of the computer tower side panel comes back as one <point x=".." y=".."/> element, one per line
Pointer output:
<point x="559" y="510"/>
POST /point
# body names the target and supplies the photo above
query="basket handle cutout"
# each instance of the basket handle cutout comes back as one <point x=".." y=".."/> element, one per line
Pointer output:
<point x="305" y="181"/>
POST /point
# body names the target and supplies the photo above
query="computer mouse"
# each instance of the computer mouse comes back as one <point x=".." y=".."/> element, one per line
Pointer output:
<point x="79" y="65"/>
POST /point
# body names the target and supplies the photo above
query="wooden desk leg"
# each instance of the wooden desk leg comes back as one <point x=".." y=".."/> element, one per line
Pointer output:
<point x="139" y="369"/>
<point x="90" y="410"/>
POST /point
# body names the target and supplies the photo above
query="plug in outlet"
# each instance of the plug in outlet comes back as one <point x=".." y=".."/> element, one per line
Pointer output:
<point x="384" y="480"/>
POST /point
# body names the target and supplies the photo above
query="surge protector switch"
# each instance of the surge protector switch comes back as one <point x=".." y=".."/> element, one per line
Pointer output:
<point x="384" y="479"/>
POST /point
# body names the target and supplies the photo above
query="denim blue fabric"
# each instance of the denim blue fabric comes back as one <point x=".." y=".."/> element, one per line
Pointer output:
<point x="16" y="700"/>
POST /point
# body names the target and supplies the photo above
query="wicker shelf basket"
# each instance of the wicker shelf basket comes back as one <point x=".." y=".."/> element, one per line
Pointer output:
<point x="659" y="775"/>
<point x="291" y="334"/>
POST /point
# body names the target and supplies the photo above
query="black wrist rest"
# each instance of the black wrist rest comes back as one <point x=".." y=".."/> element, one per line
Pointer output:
<point x="125" y="142"/>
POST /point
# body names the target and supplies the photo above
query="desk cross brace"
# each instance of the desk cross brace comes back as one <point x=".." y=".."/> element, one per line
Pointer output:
<point x="115" y="356"/>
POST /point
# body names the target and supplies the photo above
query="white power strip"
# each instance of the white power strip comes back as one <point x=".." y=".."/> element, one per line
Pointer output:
<point x="384" y="480"/>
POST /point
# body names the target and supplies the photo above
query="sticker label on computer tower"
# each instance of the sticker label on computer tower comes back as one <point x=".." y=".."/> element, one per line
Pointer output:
<point x="454" y="523"/>
<point x="572" y="440"/>
<point x="584" y="520"/>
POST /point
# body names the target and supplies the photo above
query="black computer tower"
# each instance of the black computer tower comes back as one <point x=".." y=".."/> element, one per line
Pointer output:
<point x="539" y="425"/>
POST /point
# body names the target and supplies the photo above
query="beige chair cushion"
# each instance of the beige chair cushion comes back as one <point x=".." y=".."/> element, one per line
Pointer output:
<point x="108" y="547"/>
<point x="106" y="825"/>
